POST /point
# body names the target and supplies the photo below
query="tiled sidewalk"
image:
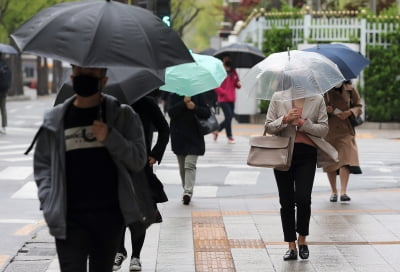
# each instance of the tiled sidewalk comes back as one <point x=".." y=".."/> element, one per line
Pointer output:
<point x="213" y="235"/>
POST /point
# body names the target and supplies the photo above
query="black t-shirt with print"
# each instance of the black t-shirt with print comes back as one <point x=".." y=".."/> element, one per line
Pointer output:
<point x="91" y="174"/>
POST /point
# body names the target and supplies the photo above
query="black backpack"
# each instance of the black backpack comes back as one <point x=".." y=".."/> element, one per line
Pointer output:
<point x="5" y="76"/>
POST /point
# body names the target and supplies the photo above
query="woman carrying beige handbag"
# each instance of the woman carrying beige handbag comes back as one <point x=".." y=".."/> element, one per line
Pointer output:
<point x="305" y="121"/>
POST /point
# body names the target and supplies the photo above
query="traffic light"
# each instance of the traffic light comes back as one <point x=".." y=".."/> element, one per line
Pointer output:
<point x="163" y="10"/>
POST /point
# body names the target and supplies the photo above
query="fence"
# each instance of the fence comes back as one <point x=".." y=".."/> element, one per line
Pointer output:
<point x="340" y="26"/>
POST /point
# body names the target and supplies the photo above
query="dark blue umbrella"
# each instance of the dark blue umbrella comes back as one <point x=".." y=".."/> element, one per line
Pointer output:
<point x="350" y="62"/>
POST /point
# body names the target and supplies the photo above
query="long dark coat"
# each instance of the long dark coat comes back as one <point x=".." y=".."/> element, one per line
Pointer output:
<point x="186" y="138"/>
<point x="153" y="120"/>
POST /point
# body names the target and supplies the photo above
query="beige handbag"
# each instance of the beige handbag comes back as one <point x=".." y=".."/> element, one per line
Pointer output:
<point x="269" y="151"/>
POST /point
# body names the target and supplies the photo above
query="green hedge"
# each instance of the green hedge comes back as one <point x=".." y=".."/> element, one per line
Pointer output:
<point x="275" y="40"/>
<point x="382" y="81"/>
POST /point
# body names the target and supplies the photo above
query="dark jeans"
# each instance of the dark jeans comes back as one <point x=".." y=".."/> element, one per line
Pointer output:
<point x="137" y="243"/>
<point x="93" y="235"/>
<point x="295" y="187"/>
<point x="228" y="109"/>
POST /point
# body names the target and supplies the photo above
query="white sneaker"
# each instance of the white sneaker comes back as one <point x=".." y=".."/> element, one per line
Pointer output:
<point x="119" y="258"/>
<point x="3" y="130"/>
<point x="135" y="264"/>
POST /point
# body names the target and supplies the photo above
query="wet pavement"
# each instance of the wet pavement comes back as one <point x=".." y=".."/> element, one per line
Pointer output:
<point x="243" y="233"/>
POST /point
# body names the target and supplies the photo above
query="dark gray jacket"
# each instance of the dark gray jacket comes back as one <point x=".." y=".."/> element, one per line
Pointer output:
<point x="126" y="145"/>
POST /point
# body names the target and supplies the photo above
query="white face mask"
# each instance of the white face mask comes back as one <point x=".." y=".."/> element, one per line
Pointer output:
<point x="339" y="85"/>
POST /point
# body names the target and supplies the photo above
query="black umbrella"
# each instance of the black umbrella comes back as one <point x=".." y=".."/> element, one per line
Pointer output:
<point x="127" y="84"/>
<point x="208" y="51"/>
<point x="101" y="34"/>
<point x="242" y="54"/>
<point x="7" y="49"/>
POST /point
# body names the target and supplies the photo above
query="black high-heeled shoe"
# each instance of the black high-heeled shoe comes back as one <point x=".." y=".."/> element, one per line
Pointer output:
<point x="291" y="254"/>
<point x="304" y="253"/>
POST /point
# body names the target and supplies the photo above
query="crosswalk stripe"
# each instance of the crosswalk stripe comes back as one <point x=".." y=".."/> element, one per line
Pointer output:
<point x="6" y="153"/>
<point x="17" y="221"/>
<point x="205" y="191"/>
<point x="28" y="191"/>
<point x="242" y="177"/>
<point x="321" y="180"/>
<point x="168" y="176"/>
<point x="19" y="159"/>
<point x="16" y="172"/>
<point x="4" y="147"/>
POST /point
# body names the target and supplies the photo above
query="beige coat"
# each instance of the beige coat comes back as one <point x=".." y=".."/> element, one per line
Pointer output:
<point x="315" y="126"/>
<point x="341" y="134"/>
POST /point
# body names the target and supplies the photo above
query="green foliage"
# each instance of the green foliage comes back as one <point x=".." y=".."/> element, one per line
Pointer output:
<point x="20" y="11"/>
<point x="277" y="40"/>
<point x="382" y="81"/>
<point x="196" y="21"/>
<point x="263" y="106"/>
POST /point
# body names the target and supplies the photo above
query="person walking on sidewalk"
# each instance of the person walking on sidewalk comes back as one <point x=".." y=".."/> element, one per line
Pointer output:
<point x="305" y="121"/>
<point x="342" y="103"/>
<point x="186" y="140"/>
<point x="5" y="82"/>
<point x="226" y="99"/>
<point x="85" y="164"/>
<point x="153" y="120"/>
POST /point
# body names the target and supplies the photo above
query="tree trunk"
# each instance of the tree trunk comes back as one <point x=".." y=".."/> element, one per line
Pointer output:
<point x="57" y="76"/>
<point x="16" y="76"/>
<point x="42" y="77"/>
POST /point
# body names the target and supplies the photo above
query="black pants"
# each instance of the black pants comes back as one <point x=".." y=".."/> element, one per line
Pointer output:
<point x="93" y="235"/>
<point x="137" y="243"/>
<point x="295" y="187"/>
<point x="228" y="109"/>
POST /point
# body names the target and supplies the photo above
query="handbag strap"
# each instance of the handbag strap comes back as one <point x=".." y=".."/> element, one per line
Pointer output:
<point x="265" y="131"/>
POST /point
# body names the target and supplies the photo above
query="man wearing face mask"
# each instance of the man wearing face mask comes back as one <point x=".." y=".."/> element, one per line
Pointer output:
<point x="85" y="159"/>
<point x="226" y="98"/>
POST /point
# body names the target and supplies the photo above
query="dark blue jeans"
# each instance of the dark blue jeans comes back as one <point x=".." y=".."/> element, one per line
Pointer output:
<point x="228" y="110"/>
<point x="93" y="235"/>
<point x="295" y="187"/>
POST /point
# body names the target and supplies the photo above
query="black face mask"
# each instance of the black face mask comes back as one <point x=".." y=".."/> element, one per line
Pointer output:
<point x="86" y="85"/>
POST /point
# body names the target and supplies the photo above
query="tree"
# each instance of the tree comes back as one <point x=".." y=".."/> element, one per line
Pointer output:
<point x="206" y="25"/>
<point x="13" y="14"/>
<point x="183" y="14"/>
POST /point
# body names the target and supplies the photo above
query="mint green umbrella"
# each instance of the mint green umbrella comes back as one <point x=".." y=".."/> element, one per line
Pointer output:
<point x="189" y="79"/>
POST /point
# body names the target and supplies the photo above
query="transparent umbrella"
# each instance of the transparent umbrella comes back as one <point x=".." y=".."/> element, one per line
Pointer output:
<point x="296" y="74"/>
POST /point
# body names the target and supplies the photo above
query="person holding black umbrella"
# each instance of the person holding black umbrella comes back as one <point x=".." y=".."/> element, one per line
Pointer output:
<point x="226" y="98"/>
<point x="87" y="166"/>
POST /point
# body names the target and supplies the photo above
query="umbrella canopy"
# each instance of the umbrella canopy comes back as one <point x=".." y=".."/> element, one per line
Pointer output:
<point x="189" y="79"/>
<point x="297" y="74"/>
<point x="208" y="51"/>
<point x="126" y="84"/>
<point x="101" y="34"/>
<point x="350" y="62"/>
<point x="7" y="49"/>
<point x="242" y="55"/>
